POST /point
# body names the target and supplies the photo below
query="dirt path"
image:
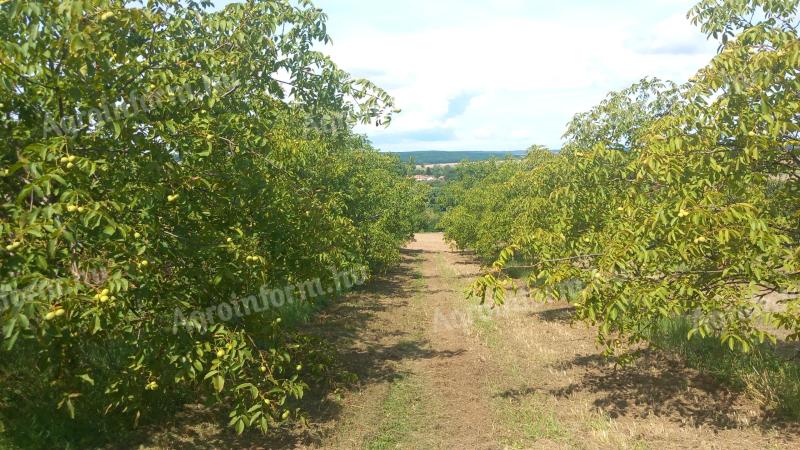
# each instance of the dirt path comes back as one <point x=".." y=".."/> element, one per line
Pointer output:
<point x="438" y="371"/>
<point x="425" y="383"/>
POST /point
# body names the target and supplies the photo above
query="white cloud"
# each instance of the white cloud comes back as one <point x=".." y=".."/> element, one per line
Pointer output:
<point x="528" y="73"/>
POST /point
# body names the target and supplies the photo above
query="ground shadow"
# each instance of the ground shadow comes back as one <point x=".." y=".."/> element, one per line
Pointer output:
<point x="517" y="394"/>
<point x="563" y="315"/>
<point x="658" y="385"/>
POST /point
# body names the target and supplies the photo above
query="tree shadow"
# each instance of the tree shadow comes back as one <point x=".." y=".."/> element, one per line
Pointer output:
<point x="563" y="315"/>
<point x="657" y="385"/>
<point x="517" y="394"/>
<point x="464" y="263"/>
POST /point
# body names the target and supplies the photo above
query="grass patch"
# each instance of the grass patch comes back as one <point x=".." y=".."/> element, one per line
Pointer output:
<point x="403" y="411"/>
<point x="767" y="377"/>
<point x="599" y="422"/>
<point x="444" y="268"/>
<point x="403" y="415"/>
<point x="418" y="283"/>
<point x="529" y="420"/>
<point x="485" y="327"/>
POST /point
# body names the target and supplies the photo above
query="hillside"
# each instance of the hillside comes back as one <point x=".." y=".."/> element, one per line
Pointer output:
<point x="447" y="157"/>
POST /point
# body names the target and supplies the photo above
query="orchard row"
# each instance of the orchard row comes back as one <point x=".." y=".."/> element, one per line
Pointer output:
<point x="666" y="201"/>
<point x="181" y="205"/>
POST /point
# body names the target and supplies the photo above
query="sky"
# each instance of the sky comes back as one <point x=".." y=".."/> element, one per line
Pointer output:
<point x="505" y="74"/>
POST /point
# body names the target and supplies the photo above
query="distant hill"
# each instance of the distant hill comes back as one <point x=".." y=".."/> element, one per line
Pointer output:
<point x="445" y="157"/>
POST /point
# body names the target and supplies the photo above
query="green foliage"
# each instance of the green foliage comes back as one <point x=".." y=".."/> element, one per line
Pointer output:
<point x="430" y="220"/>
<point x="477" y="206"/>
<point x="159" y="156"/>
<point x="666" y="201"/>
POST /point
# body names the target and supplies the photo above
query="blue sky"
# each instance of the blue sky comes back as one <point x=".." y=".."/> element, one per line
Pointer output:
<point x="505" y="74"/>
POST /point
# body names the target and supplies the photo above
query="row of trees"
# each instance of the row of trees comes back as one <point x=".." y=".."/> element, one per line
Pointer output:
<point x="159" y="156"/>
<point x="666" y="201"/>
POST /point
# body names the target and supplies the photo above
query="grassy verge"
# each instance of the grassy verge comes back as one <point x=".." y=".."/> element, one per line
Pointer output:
<point x="769" y="378"/>
<point x="525" y="418"/>
<point x="404" y="411"/>
<point x="529" y="419"/>
<point x="403" y="415"/>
